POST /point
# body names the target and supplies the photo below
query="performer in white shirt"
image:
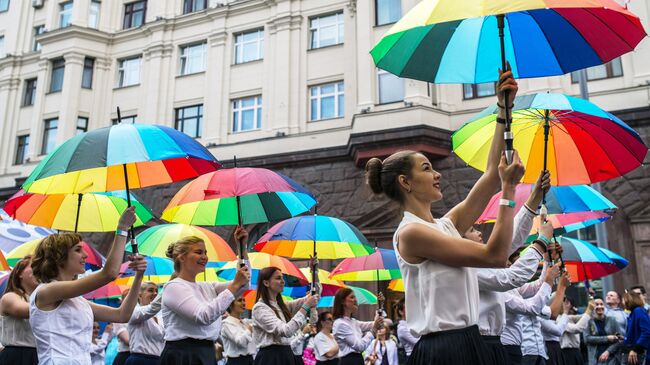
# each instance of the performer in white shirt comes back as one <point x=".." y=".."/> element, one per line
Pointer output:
<point x="145" y="328"/>
<point x="326" y="349"/>
<point x="120" y="331"/>
<point x="59" y="258"/>
<point x="15" y="332"/>
<point x="275" y="322"/>
<point x="437" y="264"/>
<point x="237" y="335"/>
<point x="192" y="311"/>
<point x="404" y="335"/>
<point x="98" y="345"/>
<point x="570" y="340"/>
<point x="382" y="350"/>
<point x="348" y="332"/>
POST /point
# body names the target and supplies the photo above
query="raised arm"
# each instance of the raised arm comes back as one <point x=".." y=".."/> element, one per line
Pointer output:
<point x="265" y="318"/>
<point x="236" y="335"/>
<point x="534" y="305"/>
<point x="344" y="334"/>
<point x="556" y="303"/>
<point x="513" y="277"/>
<point x="123" y="313"/>
<point x="176" y="298"/>
<point x="466" y="212"/>
<point x="144" y="313"/>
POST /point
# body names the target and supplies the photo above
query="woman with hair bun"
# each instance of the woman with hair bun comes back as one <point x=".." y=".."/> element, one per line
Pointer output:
<point x="192" y="311"/>
<point x="437" y="264"/>
<point x="61" y="319"/>
<point x="15" y="331"/>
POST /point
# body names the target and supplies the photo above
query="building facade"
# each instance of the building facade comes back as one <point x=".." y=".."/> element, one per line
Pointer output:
<point x="285" y="84"/>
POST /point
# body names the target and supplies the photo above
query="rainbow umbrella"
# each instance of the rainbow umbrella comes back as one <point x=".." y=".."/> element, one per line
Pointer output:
<point x="209" y="275"/>
<point x="300" y="237"/>
<point x="396" y="285"/>
<point x="95" y="260"/>
<point x="584" y="261"/>
<point x="578" y="142"/>
<point x="329" y="285"/>
<point x="155" y="240"/>
<point x="110" y="290"/>
<point x="4" y="280"/>
<point x="564" y="223"/>
<point x="364" y="296"/>
<point x="620" y="261"/>
<point x="4" y="265"/>
<point x="293" y="277"/>
<point x="98" y="212"/>
<point x="559" y="200"/>
<point x="156" y="266"/>
<point x="14" y="233"/>
<point x="251" y="295"/>
<point x="381" y="265"/>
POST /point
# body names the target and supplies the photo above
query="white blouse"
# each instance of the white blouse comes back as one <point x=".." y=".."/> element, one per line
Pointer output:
<point x="236" y="337"/>
<point x="349" y="335"/>
<point x="63" y="335"/>
<point x="406" y="337"/>
<point x="98" y="349"/>
<point x="438" y="297"/>
<point x="146" y="331"/>
<point x="322" y="345"/>
<point x="16" y="332"/>
<point x="269" y="330"/>
<point x="194" y="310"/>
<point x="117" y="329"/>
<point x="390" y="350"/>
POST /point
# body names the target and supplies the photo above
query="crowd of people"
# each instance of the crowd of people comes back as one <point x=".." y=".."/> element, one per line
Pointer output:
<point x="466" y="301"/>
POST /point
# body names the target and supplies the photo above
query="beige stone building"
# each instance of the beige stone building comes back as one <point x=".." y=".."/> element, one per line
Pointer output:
<point x="282" y="83"/>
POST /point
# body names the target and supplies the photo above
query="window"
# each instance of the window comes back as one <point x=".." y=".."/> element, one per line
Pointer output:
<point x="29" y="94"/>
<point x="4" y="5"/>
<point x="2" y="47"/>
<point x="39" y="29"/>
<point x="190" y="6"/>
<point x="134" y="14"/>
<point x="126" y="120"/>
<point x="65" y="14"/>
<point x="189" y="120"/>
<point x="87" y="76"/>
<point x="387" y="11"/>
<point x="326" y="30"/>
<point x="390" y="87"/>
<point x="473" y="91"/>
<point x="22" y="146"/>
<point x="192" y="59"/>
<point x="614" y="68"/>
<point x="247" y="114"/>
<point x="326" y="101"/>
<point x="49" y="136"/>
<point x="129" y="71"/>
<point x="58" y="69"/>
<point x="82" y="125"/>
<point x="249" y="46"/>
<point x="93" y="14"/>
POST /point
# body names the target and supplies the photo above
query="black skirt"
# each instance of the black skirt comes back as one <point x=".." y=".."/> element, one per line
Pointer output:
<point x="459" y="347"/>
<point x="353" y="358"/>
<point x="121" y="357"/>
<point x="18" y="355"/>
<point x="514" y="354"/>
<point x="554" y="353"/>
<point x="142" y="359"/>
<point x="240" y="360"/>
<point x="496" y="353"/>
<point x="328" y="362"/>
<point x="572" y="356"/>
<point x="188" y="351"/>
<point x="275" y="355"/>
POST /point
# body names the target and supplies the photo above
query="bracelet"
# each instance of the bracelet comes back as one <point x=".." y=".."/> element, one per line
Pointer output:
<point x="544" y="238"/>
<point x="501" y="120"/>
<point x="529" y="209"/>
<point x="119" y="232"/>
<point x="502" y="107"/>
<point x="541" y="243"/>
<point x="306" y="308"/>
<point x="507" y="203"/>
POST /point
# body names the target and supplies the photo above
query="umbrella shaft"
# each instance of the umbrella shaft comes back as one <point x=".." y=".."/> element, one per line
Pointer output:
<point x="76" y="221"/>
<point x="507" y="135"/>
<point x="546" y="132"/>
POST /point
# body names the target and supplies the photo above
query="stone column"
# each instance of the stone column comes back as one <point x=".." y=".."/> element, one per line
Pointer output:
<point x="155" y="74"/>
<point x="9" y="103"/>
<point x="216" y="99"/>
<point x="366" y="75"/>
<point x="69" y="109"/>
<point x="36" y="129"/>
<point x="641" y="232"/>
<point x="104" y="79"/>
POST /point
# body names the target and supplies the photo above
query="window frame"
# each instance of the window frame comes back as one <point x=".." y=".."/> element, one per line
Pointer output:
<point x="609" y="72"/>
<point x="46" y="134"/>
<point x="7" y="8"/>
<point x="257" y="113"/>
<point x="131" y="119"/>
<point x="475" y="91"/>
<point x="29" y="89"/>
<point x="88" y="67"/>
<point x="179" y="121"/>
<point x="63" y="12"/>
<point x="183" y="58"/>
<point x="188" y="6"/>
<point x="98" y="13"/>
<point x="21" y="147"/>
<point x="377" y="13"/>
<point x="3" y="51"/>
<point x="128" y="11"/>
<point x="81" y="129"/>
<point x="36" y="31"/>
<point x="381" y="72"/>
<point x="339" y="110"/>
<point x="239" y="46"/>
<point x="315" y="29"/>
<point x="121" y="71"/>
<point x="56" y="68"/>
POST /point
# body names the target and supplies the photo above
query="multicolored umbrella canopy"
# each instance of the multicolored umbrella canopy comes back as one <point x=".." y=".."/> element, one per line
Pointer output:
<point x="585" y="261"/>
<point x="220" y="198"/>
<point x="295" y="237"/>
<point x="97" y="212"/>
<point x="564" y="223"/>
<point x="4" y="280"/>
<point x="95" y="161"/>
<point x="381" y="265"/>
<point x="329" y="285"/>
<point x="585" y="143"/>
<point x="559" y="200"/>
<point x="156" y="266"/>
<point x="257" y="261"/>
<point x="155" y="240"/>
<point x="251" y="295"/>
<point x="14" y="233"/>
<point x="620" y="261"/>
<point x="364" y="296"/>
<point x="450" y="41"/>
<point x="4" y="265"/>
<point x="95" y="260"/>
<point x="396" y="285"/>
<point x="209" y="275"/>
<point x="110" y="290"/>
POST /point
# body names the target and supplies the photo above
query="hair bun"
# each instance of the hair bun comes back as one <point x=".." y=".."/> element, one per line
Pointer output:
<point x="373" y="175"/>
<point x="170" y="251"/>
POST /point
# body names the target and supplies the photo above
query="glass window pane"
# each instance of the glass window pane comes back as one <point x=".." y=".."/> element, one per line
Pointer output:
<point x="4" y="5"/>
<point x="391" y="88"/>
<point x="327" y="107"/>
<point x="597" y="72"/>
<point x="617" y="67"/>
<point x="341" y="105"/>
<point x="327" y="36"/>
<point x="249" y="52"/>
<point x="259" y="118"/>
<point x="485" y="89"/>
<point x="327" y="89"/>
<point x="388" y="11"/>
<point x="314" y="109"/>
<point x="248" y="120"/>
<point x="248" y="102"/>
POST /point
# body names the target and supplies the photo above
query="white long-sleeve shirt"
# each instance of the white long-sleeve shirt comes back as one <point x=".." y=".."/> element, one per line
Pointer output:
<point x="406" y="338"/>
<point x="237" y="338"/>
<point x="376" y="347"/>
<point x="98" y="349"/>
<point x="348" y="333"/>
<point x="575" y="326"/>
<point x="269" y="329"/>
<point x="552" y="330"/>
<point x="146" y="331"/>
<point x="193" y="310"/>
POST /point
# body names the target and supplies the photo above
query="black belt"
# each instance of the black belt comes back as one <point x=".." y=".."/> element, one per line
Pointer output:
<point x="190" y="342"/>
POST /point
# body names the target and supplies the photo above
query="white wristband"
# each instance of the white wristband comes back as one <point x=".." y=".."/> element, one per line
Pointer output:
<point x="122" y="233"/>
<point x="507" y="203"/>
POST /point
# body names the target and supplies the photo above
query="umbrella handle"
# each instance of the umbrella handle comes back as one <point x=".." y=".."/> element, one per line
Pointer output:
<point x="507" y="134"/>
<point x="134" y="244"/>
